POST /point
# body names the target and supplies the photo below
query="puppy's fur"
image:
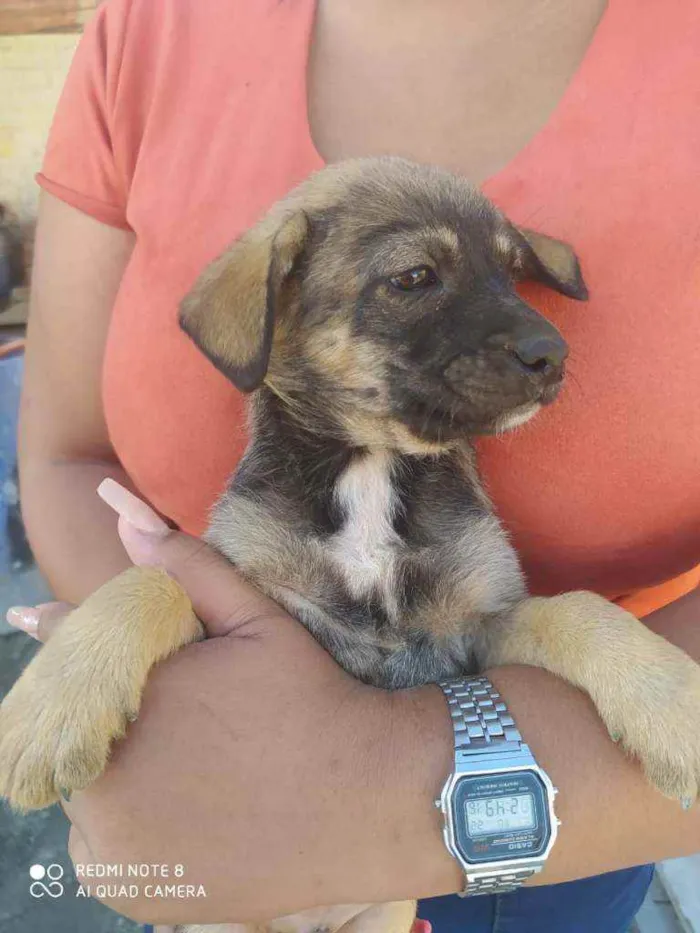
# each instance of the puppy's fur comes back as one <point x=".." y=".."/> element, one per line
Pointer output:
<point x="374" y="315"/>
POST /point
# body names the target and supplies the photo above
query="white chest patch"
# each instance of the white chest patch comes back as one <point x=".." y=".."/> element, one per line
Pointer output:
<point x="365" y="549"/>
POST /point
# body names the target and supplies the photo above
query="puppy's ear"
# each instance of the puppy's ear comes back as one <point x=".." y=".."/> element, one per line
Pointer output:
<point x="231" y="311"/>
<point x="550" y="262"/>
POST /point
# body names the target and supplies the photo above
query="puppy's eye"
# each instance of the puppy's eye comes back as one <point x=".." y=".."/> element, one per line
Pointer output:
<point x="413" y="279"/>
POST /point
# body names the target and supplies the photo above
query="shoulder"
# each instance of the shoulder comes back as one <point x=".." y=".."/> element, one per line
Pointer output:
<point x="167" y="20"/>
<point x="137" y="41"/>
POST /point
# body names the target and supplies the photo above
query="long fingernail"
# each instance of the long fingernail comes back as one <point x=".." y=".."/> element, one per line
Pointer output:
<point x="421" y="926"/>
<point x="25" y="618"/>
<point x="132" y="509"/>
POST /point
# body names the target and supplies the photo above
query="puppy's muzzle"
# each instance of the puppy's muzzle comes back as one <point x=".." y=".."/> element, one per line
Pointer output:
<point x="525" y="365"/>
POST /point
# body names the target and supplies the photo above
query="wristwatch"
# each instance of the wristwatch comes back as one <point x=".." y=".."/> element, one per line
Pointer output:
<point x="498" y="804"/>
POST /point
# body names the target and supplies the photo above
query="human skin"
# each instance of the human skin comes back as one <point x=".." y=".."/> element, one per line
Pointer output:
<point x="255" y="752"/>
<point x="64" y="449"/>
<point x="349" y="820"/>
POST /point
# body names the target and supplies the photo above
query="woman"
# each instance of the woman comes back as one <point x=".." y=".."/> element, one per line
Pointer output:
<point x="181" y="121"/>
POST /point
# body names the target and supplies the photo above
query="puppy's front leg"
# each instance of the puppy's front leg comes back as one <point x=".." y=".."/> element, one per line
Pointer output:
<point x="646" y="690"/>
<point x="80" y="691"/>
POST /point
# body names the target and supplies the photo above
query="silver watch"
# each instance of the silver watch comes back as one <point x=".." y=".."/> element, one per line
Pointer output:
<point x="498" y="804"/>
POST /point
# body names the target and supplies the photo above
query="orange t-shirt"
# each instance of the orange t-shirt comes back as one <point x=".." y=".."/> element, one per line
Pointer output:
<point x="184" y="123"/>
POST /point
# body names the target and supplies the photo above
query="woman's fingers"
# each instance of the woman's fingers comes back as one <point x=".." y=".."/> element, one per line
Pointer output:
<point x="222" y="600"/>
<point x="135" y="510"/>
<point x="38" y="621"/>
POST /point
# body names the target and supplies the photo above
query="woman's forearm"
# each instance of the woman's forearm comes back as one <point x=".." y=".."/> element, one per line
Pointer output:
<point x="611" y="817"/>
<point x="320" y="791"/>
<point x="73" y="534"/>
<point x="363" y="829"/>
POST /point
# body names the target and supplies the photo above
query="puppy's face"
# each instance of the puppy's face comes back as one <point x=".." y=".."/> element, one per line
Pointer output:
<point x="380" y="297"/>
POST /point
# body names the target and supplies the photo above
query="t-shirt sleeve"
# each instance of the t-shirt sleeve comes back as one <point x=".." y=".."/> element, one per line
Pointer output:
<point x="83" y="165"/>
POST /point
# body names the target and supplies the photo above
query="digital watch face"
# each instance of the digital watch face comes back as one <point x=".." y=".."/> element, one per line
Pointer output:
<point x="501" y="816"/>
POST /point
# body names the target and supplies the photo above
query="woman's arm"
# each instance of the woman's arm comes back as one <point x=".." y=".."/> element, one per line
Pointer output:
<point x="300" y="786"/>
<point x="64" y="450"/>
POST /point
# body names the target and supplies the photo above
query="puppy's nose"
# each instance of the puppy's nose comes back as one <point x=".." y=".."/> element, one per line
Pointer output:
<point x="539" y="352"/>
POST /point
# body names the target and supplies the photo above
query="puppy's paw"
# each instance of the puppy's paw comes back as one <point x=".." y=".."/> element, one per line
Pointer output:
<point x="83" y="688"/>
<point x="55" y="739"/>
<point x="646" y="691"/>
<point x="656" y="719"/>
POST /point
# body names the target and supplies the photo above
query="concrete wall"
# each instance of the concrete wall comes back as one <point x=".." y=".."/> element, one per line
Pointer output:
<point x="32" y="72"/>
<point x="37" y="41"/>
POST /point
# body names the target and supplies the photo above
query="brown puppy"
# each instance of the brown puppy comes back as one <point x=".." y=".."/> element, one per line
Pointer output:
<point x="373" y="313"/>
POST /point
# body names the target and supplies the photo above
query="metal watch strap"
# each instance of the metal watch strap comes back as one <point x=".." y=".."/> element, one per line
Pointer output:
<point x="496" y="884"/>
<point x="479" y="716"/>
<point x="482" y="724"/>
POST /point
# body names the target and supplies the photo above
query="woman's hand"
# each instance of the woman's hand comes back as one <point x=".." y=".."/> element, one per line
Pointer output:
<point x="280" y="783"/>
<point x="256" y="761"/>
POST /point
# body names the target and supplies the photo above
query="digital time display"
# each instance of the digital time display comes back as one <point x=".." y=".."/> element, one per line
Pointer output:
<point x="488" y="815"/>
<point x="500" y="816"/>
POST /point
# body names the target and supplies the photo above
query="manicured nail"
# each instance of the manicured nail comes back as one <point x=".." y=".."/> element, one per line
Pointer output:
<point x="421" y="926"/>
<point x="130" y="508"/>
<point x="25" y="618"/>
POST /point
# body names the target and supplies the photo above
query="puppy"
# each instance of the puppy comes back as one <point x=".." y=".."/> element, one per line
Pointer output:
<point x="373" y="313"/>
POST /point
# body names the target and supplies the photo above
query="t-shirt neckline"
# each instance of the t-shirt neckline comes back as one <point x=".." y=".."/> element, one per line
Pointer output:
<point x="573" y="88"/>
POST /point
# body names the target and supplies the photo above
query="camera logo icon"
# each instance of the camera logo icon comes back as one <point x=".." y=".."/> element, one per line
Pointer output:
<point x="46" y="882"/>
